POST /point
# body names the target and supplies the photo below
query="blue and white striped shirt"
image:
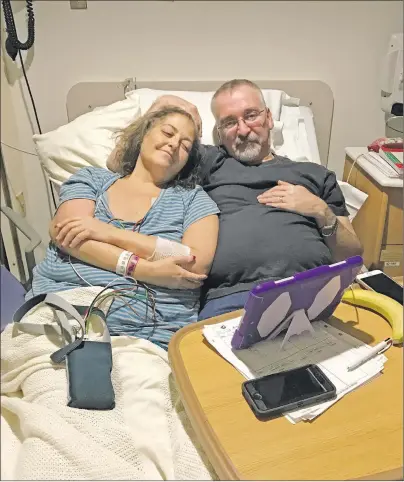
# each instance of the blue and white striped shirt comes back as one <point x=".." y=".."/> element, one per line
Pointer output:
<point x="172" y="213"/>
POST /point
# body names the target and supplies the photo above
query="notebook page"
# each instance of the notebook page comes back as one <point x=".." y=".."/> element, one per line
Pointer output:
<point x="329" y="348"/>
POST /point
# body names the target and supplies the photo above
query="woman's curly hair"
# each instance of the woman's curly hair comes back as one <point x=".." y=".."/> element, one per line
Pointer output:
<point x="130" y="141"/>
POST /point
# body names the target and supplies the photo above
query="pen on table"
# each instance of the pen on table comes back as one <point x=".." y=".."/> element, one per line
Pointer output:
<point x="376" y="350"/>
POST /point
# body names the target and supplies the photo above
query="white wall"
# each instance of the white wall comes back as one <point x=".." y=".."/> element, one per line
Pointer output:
<point x="339" y="42"/>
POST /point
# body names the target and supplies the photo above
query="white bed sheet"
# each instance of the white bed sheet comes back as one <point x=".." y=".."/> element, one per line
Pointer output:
<point x="296" y="138"/>
<point x="308" y="117"/>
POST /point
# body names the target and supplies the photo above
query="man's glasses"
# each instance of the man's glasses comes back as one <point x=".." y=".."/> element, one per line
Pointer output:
<point x="252" y="119"/>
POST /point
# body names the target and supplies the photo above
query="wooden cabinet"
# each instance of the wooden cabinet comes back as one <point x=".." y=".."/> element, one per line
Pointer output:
<point x="379" y="223"/>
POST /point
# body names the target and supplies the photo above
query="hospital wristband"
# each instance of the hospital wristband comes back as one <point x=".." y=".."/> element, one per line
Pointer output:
<point x="122" y="264"/>
<point x="131" y="266"/>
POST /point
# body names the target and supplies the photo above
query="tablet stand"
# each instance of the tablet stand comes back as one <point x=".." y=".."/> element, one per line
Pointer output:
<point x="291" y="304"/>
<point x="299" y="324"/>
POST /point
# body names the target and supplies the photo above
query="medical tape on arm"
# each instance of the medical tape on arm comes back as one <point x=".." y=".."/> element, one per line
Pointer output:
<point x="168" y="249"/>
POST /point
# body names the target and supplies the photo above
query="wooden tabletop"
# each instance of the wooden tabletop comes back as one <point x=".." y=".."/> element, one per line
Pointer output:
<point x="359" y="437"/>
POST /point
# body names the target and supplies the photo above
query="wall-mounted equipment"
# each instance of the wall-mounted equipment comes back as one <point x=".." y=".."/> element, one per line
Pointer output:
<point x="392" y="77"/>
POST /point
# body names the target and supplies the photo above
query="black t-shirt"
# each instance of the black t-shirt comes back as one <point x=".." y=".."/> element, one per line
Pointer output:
<point x="258" y="242"/>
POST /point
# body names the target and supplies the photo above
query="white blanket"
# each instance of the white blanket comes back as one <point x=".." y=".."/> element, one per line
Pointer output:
<point x="146" y="437"/>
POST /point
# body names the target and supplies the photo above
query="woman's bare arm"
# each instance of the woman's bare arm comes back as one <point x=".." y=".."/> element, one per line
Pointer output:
<point x="69" y="209"/>
<point x="202" y="238"/>
<point x="170" y="273"/>
<point x="98" y="254"/>
<point x="142" y="245"/>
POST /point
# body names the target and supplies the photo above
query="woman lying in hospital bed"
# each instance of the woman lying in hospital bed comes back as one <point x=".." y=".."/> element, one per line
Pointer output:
<point x="153" y="225"/>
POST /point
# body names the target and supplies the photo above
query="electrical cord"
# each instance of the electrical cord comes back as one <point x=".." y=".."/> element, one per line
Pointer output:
<point x="353" y="165"/>
<point x="30" y="92"/>
<point x="13" y="44"/>
<point x="17" y="149"/>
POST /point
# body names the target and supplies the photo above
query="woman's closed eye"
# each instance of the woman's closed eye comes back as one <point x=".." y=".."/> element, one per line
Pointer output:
<point x="168" y="132"/>
<point x="186" y="146"/>
<point x="184" y="142"/>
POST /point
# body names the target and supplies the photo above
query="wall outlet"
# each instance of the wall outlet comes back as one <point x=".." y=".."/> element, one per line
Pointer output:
<point x="78" y="4"/>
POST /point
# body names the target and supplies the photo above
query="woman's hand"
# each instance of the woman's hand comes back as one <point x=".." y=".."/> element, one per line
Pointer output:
<point x="71" y="232"/>
<point x="170" y="273"/>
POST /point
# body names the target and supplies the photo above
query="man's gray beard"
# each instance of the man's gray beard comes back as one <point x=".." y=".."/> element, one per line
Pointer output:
<point x="250" y="153"/>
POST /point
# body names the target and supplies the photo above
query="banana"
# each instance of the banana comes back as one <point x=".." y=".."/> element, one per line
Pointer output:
<point x="382" y="304"/>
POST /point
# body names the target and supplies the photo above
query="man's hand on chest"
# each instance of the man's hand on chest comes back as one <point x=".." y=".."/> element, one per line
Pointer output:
<point x="295" y="198"/>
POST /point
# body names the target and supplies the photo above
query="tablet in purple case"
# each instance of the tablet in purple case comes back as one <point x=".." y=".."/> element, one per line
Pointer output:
<point x="270" y="305"/>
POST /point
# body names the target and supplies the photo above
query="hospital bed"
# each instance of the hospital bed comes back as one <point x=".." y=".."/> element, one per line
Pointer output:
<point x="12" y="290"/>
<point x="303" y="113"/>
<point x="302" y="110"/>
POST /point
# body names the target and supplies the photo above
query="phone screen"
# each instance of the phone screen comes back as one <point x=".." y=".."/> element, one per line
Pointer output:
<point x="386" y="286"/>
<point x="288" y="387"/>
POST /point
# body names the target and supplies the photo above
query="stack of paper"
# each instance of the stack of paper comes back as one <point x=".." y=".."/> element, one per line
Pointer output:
<point x="329" y="348"/>
<point x="379" y="163"/>
<point x="393" y="155"/>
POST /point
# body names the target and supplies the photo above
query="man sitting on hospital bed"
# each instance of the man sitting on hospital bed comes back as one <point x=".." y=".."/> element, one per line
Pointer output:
<point x="153" y="224"/>
<point x="278" y="217"/>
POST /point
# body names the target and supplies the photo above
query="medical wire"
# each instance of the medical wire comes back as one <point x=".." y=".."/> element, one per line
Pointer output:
<point x="116" y="294"/>
<point x="78" y="274"/>
<point x="121" y="226"/>
<point x="17" y="149"/>
<point x="121" y="293"/>
<point x="128" y="292"/>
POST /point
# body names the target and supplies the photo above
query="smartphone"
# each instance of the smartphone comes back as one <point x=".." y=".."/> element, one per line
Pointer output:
<point x="378" y="281"/>
<point x="273" y="395"/>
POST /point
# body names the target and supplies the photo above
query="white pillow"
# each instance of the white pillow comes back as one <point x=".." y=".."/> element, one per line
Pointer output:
<point x="86" y="141"/>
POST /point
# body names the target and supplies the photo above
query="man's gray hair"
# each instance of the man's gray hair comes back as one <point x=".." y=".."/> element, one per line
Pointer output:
<point x="234" y="84"/>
